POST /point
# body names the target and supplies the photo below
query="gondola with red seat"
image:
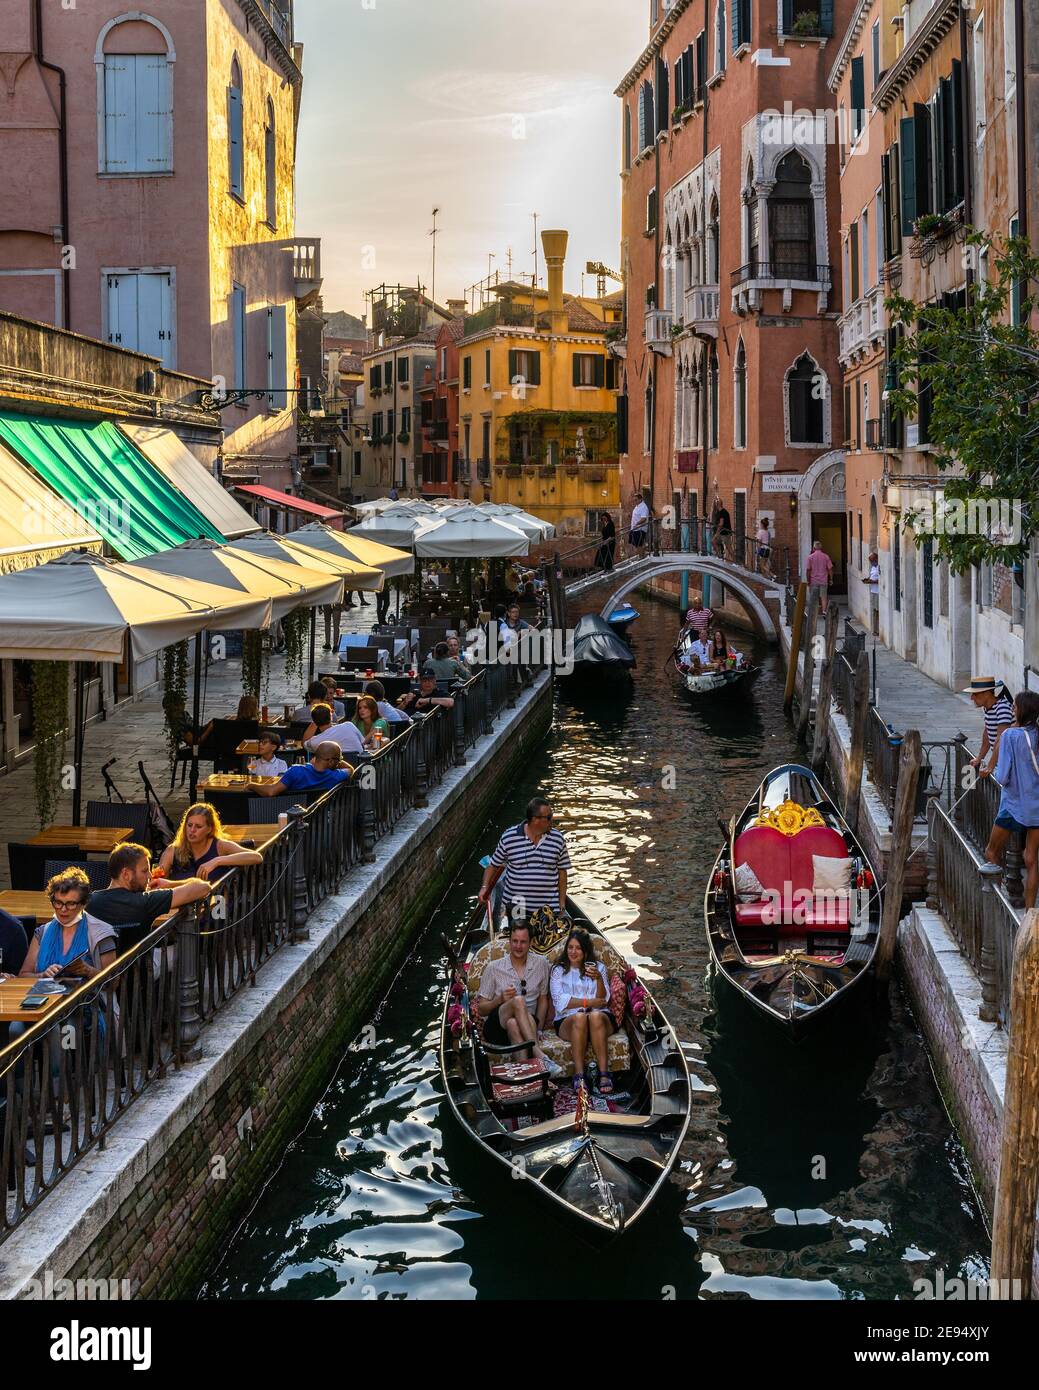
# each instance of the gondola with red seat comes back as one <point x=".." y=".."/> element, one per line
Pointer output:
<point x="792" y="907"/>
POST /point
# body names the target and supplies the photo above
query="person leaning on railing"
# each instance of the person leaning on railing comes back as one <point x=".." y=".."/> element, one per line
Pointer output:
<point x="126" y="903"/>
<point x="1017" y="772"/>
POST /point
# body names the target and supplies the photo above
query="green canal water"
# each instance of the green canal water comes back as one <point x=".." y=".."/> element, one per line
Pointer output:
<point x="822" y="1170"/>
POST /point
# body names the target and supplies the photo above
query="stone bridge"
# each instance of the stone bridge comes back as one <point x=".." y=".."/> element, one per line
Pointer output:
<point x="754" y="593"/>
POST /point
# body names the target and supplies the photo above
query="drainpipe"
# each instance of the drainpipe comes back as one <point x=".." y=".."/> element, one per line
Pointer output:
<point x="1019" y="79"/>
<point x="968" y="162"/>
<point x="656" y="305"/>
<point x="63" y="158"/>
<point x="705" y="405"/>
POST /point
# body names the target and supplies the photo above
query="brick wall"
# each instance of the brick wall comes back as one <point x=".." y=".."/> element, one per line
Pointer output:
<point x="165" y="1235"/>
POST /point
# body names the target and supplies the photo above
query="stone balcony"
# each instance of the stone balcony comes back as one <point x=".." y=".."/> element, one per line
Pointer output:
<point x="306" y="269"/>
<point x="659" y="323"/>
<point x="862" y="327"/>
<point x="700" y="311"/>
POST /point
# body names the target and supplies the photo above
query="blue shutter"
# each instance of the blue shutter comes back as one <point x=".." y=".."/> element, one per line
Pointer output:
<point x="788" y="16"/>
<point x="277" y="356"/>
<point x="234" y="140"/>
<point x="642" y="118"/>
<point x="907" y="172"/>
<point x="858" y="94"/>
<point x="120" y="112"/>
<point x="825" y="16"/>
<point x="151" y="113"/>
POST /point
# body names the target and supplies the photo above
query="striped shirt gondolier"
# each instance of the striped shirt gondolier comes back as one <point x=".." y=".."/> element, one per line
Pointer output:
<point x="532" y="870"/>
<point x="699" y="620"/>
<point x="998" y="716"/>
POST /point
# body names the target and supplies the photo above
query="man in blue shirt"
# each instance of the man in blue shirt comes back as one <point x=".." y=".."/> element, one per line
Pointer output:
<point x="325" y="772"/>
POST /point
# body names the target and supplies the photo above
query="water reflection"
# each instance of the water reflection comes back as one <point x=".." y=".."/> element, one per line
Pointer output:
<point x="822" y="1170"/>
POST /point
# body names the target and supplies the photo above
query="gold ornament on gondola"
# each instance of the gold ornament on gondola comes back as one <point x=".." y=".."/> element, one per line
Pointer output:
<point x="547" y="929"/>
<point x="790" y="818"/>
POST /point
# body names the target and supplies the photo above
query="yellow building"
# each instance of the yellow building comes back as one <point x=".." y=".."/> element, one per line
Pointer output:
<point x="537" y="405"/>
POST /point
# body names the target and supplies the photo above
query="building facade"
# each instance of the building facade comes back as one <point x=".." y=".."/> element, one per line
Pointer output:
<point x="160" y="217"/>
<point x="438" y="411"/>
<point x="731" y="231"/>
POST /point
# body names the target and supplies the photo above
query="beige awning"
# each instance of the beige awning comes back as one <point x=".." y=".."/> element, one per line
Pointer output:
<point x="179" y="466"/>
<point x="381" y="557"/>
<point x="35" y="523"/>
<point x="286" y="585"/>
<point x="358" y="576"/>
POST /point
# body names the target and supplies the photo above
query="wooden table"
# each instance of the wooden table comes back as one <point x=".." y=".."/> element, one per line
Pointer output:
<point x="20" y="903"/>
<point x="12" y="992"/>
<point x="262" y="834"/>
<point x="91" y="839"/>
<point x="292" y="750"/>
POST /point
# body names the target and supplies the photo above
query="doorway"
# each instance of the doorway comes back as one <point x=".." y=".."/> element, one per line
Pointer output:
<point x="831" y="529"/>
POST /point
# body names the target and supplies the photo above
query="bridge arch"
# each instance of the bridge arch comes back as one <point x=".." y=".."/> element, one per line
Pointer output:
<point x="755" y="608"/>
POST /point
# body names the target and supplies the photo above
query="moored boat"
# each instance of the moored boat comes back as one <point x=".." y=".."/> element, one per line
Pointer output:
<point x="600" y="1160"/>
<point x="792" y="907"/>
<point x="740" y="673"/>
<point x="621" y="619"/>
<point x="597" y="649"/>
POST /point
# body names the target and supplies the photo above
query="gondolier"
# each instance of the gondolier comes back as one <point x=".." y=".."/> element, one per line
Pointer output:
<point x="534" y="860"/>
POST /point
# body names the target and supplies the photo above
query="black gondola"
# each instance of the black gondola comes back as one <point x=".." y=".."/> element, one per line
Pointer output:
<point x="797" y="950"/>
<point x="598" y="650"/>
<point x="710" y="683"/>
<point x="602" y="1169"/>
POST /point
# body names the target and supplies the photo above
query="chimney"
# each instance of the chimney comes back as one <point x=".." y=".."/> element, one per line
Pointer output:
<point x="555" y="255"/>
<point x="456" y="308"/>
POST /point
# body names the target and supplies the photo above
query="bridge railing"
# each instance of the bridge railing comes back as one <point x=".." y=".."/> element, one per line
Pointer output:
<point x="668" y="535"/>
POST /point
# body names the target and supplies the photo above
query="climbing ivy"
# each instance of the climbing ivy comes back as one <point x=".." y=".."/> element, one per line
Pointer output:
<point x="296" y="628"/>
<point x="252" y="662"/>
<point x="174" y="694"/>
<point x="50" y="720"/>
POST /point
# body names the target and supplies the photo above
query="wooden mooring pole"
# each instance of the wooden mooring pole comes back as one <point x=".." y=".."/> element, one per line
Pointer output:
<point x="1017" y="1188"/>
<point x="795" y="646"/>
<point x="910" y="763"/>
<point x="859" y="715"/>
<point x="804" y="709"/>
<point x="822" y="705"/>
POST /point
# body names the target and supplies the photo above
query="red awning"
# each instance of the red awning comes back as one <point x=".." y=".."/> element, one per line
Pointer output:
<point x="292" y="504"/>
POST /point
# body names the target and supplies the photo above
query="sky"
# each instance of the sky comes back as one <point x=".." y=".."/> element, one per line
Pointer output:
<point x="488" y="109"/>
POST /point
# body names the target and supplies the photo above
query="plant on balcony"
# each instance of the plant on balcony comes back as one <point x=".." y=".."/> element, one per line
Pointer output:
<point x="934" y="224"/>
<point x="677" y="329"/>
<point x="806" y="25"/>
<point x="403" y="437"/>
<point x="387" y="439"/>
<point x="50" y="726"/>
<point x="982" y="372"/>
<point x="680" y="111"/>
<point x="614" y="332"/>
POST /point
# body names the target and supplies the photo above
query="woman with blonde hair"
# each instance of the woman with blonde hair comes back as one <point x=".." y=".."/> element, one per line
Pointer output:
<point x="198" y="849"/>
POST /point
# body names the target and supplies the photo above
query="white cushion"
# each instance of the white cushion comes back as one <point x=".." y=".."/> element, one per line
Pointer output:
<point x="748" y="886"/>
<point x="830" y="875"/>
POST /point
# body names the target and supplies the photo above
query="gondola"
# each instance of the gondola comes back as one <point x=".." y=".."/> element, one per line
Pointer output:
<point x="711" y="683"/>
<point x="798" y="949"/>
<point x="622" y="618"/>
<point x="600" y="1167"/>
<point x="598" y="651"/>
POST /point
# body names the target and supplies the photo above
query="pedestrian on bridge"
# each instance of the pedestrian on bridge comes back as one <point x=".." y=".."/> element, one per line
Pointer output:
<point x="764" y="539"/>
<point x="607" y="542"/>
<point x="639" y="523"/>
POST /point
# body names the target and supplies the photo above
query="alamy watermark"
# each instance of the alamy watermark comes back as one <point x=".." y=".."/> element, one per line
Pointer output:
<point x="998" y="518"/>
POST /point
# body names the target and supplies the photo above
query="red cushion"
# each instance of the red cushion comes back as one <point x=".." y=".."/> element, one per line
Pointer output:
<point x="767" y="851"/>
<point x="813" y="840"/>
<point x="797" y="918"/>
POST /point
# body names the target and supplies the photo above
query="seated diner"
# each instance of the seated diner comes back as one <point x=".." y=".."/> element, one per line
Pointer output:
<point x="199" y="849"/>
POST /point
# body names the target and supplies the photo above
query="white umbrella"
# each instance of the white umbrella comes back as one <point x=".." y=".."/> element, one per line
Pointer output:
<point x="81" y="607"/>
<point x="286" y="584"/>
<point x="397" y="528"/>
<point x="387" y="558"/>
<point x="357" y="576"/>
<point x="470" y="538"/>
<point x="516" y="516"/>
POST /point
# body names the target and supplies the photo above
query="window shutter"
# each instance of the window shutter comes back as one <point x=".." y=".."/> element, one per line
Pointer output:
<point x="534" y="359"/>
<point x="238" y="325"/>
<point x="825" y="16"/>
<point x="151" y="112"/>
<point x="600" y="371"/>
<point x="788" y="16"/>
<point x="642" y="118"/>
<point x="234" y="138"/>
<point x="853" y="248"/>
<point x="270" y="175"/>
<point x="611" y="374"/>
<point x="924" y="174"/>
<point x="120" y="114"/>
<point x="663" y="104"/>
<point x="701" y="64"/>
<point x="576" y="364"/>
<point x="622" y="424"/>
<point x="858" y="94"/>
<point x="907" y="172"/>
<point x="122" y="310"/>
<point x="735" y="25"/>
<point x="627" y="136"/>
<point x="277" y="356"/>
<point x="941" y="146"/>
<point x="679" y="94"/>
<point x="513" y="365"/>
<point x="954" y="120"/>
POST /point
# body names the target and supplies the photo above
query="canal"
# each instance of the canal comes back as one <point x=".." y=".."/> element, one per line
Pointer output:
<point x="825" y="1170"/>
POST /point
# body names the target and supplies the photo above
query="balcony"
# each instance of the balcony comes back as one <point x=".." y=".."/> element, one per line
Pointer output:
<point x="701" y="310"/>
<point x="306" y="269"/>
<point x="862" y="327"/>
<point x="659" y="323"/>
<point x="782" y="272"/>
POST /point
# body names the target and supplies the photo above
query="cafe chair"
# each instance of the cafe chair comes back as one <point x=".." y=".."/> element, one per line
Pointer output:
<point x="265" y="810"/>
<point x="95" y="869"/>
<point x="131" y="813"/>
<point x="225" y="737"/>
<point x="27" y="863"/>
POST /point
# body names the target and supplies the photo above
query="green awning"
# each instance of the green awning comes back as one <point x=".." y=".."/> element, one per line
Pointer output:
<point x="113" y="487"/>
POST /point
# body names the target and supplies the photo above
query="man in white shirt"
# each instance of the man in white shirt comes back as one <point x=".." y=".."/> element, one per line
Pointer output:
<point x="322" y="730"/>
<point x="639" y="522"/>
<point x="873" y="580"/>
<point x="700" y="654"/>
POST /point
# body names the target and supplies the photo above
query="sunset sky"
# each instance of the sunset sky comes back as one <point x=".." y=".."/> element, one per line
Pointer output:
<point x="489" y="109"/>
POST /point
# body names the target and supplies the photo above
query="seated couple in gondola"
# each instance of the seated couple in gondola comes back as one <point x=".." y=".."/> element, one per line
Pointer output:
<point x="710" y="653"/>
<point x="517" y="991"/>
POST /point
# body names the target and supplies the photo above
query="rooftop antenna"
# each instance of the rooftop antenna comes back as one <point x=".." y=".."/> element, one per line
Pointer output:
<point x="433" y="234"/>
<point x="535" y="217"/>
<point x="510" y="262"/>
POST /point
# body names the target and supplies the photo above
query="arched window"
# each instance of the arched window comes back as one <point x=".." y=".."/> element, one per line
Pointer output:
<point x="235" y="129"/>
<point x="134" y="61"/>
<point x="668" y="269"/>
<point x="791" y="220"/>
<point x="739" y="388"/>
<point x="270" y="165"/>
<point x="806" y="391"/>
<point x="711" y="249"/>
<point x="751" y="219"/>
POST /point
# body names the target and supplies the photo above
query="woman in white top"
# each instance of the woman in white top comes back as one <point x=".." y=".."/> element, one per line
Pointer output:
<point x="581" y="999"/>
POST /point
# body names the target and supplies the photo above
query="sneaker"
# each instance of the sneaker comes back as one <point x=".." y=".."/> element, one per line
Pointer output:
<point x="554" y="1069"/>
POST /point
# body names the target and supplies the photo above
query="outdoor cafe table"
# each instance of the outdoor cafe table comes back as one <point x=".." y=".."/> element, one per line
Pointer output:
<point x="91" y="839"/>
<point x="12" y="992"/>
<point x="21" y="903"/>
<point x="292" y="751"/>
<point x="395" y="686"/>
<point x="261" y="835"/>
<point x="230" y="794"/>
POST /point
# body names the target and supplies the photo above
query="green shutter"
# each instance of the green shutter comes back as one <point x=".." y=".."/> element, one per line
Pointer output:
<point x="788" y="16"/>
<point x="600" y="371"/>
<point x="622" y="424"/>
<point x="576" y="363"/>
<point x="535" y="368"/>
<point x="907" y="172"/>
<point x="513" y="364"/>
<point x="954" y="118"/>
<point x="942" y="168"/>
<point x="922" y="118"/>
<point x="858" y="94"/>
<point x="825" y="16"/>
<point x="611" y="374"/>
<point x="885" y="193"/>
<point x="853" y="247"/>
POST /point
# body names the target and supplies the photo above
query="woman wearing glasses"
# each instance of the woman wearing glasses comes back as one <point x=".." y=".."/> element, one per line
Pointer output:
<point x="72" y="942"/>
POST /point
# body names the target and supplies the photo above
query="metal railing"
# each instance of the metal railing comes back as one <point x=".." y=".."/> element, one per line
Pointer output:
<point x="809" y="271"/>
<point x="66" y="1079"/>
<point x="688" y="536"/>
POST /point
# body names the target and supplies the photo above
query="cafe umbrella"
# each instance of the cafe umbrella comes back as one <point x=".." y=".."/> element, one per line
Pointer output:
<point x="83" y="608"/>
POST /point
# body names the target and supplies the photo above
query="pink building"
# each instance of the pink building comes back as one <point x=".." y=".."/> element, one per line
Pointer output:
<point x="159" y="214"/>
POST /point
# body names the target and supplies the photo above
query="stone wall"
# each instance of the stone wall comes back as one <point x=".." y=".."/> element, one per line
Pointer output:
<point x="179" y="1170"/>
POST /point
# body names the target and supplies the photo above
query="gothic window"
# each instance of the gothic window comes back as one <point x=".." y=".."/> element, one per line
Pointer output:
<point x="791" y="220"/>
<point x="806" y="392"/>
